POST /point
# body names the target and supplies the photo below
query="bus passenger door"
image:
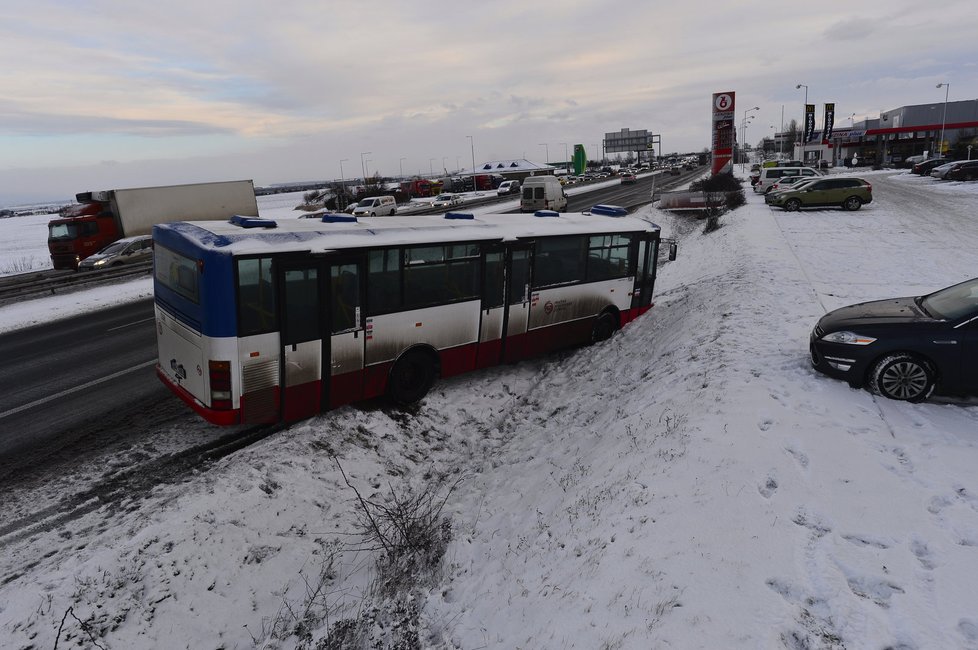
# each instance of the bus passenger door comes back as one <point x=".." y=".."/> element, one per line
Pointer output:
<point x="489" y="352"/>
<point x="345" y="352"/>
<point x="302" y="339"/>
<point x="519" y="264"/>
<point x="648" y="248"/>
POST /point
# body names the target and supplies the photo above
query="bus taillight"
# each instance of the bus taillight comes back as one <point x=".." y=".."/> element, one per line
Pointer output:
<point x="220" y="376"/>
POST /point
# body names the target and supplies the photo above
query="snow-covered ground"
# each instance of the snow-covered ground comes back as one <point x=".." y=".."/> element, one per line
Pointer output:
<point x="690" y="483"/>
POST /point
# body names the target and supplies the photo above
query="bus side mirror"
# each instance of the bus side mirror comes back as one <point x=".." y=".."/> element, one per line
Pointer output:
<point x="673" y="249"/>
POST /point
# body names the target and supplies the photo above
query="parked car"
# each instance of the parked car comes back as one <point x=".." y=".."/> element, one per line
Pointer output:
<point x="910" y="161"/>
<point x="129" y="250"/>
<point x="924" y="168"/>
<point x="785" y="183"/>
<point x="941" y="170"/>
<point x="446" y="200"/>
<point x="508" y="187"/>
<point x="847" y="193"/>
<point x="902" y="348"/>
<point x="771" y="175"/>
<point x="965" y="170"/>
<point x="629" y="179"/>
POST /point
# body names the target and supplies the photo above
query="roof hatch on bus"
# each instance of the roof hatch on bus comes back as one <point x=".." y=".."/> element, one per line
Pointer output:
<point x="252" y="222"/>
<point x="609" y="210"/>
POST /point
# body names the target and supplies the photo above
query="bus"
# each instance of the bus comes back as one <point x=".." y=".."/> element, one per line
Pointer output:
<point x="262" y="321"/>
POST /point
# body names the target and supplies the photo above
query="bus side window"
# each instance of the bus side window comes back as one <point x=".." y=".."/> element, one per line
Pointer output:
<point x="560" y="260"/>
<point x="256" y="297"/>
<point x="384" y="281"/>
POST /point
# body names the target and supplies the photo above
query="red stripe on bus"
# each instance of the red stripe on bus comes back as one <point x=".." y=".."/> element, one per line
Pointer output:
<point x="221" y="418"/>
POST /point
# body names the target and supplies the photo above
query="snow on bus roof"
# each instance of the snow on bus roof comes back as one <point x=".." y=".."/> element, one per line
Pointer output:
<point x="315" y="235"/>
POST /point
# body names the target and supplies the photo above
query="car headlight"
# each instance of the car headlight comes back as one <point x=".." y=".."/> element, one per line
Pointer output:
<point x="849" y="338"/>
<point x="99" y="263"/>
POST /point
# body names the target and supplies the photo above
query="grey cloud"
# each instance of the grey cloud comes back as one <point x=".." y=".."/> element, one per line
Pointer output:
<point x="851" y="29"/>
<point x="48" y="124"/>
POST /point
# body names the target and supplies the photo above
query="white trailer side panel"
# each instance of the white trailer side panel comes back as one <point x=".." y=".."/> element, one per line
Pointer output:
<point x="138" y="209"/>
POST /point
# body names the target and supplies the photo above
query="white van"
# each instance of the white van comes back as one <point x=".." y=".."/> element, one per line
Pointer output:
<point x="771" y="175"/>
<point x="376" y="205"/>
<point x="542" y="193"/>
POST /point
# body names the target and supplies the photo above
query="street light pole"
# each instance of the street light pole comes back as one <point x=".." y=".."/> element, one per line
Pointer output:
<point x="400" y="166"/>
<point x="743" y="160"/>
<point x="472" y="145"/>
<point x="431" y="166"/>
<point x="343" y="182"/>
<point x="947" y="89"/>
<point x="804" y="124"/>
<point x="565" y="156"/>
<point x="547" y="148"/>
<point x="363" y="167"/>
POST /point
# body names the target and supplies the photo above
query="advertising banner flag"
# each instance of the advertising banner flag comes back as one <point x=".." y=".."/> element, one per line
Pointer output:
<point x="724" y="133"/>
<point x="809" y="122"/>
<point x="829" y="120"/>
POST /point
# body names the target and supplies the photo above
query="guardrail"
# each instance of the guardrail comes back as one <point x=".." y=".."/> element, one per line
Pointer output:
<point x="41" y="283"/>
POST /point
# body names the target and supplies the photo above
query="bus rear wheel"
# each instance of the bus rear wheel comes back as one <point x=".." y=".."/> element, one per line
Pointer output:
<point x="411" y="378"/>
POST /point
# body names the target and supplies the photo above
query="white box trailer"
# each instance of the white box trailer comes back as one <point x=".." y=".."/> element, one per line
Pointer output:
<point x="138" y="209"/>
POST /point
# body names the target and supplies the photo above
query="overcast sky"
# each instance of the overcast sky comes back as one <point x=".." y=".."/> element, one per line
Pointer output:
<point x="104" y="94"/>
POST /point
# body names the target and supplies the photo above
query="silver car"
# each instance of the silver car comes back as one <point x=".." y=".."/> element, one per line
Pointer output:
<point x="129" y="250"/>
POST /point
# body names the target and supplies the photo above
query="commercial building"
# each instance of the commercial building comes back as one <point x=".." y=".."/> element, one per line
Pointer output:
<point x="896" y="135"/>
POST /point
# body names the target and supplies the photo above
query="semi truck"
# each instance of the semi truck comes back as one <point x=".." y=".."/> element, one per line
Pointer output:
<point x="102" y="217"/>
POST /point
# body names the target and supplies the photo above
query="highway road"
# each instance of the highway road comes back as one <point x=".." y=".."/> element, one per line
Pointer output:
<point x="74" y="386"/>
<point x="74" y="383"/>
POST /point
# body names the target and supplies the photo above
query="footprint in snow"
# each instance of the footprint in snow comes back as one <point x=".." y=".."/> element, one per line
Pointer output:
<point x="800" y="457"/>
<point x="923" y="553"/>
<point x="865" y="540"/>
<point x="812" y="522"/>
<point x="968" y="629"/>
<point x="768" y="487"/>
<point x="874" y="589"/>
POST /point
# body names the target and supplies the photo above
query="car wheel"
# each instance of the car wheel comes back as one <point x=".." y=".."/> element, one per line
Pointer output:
<point x="852" y="203"/>
<point x="411" y="378"/>
<point x="903" y="377"/>
<point x="792" y="205"/>
<point x="604" y="328"/>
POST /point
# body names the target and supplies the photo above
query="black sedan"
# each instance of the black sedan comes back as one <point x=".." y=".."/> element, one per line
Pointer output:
<point x="903" y="347"/>
<point x="966" y="170"/>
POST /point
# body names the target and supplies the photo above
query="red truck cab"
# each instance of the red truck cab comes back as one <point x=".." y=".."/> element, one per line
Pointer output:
<point x="82" y="230"/>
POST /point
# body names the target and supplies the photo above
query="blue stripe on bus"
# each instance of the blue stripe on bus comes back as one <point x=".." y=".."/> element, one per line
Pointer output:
<point x="216" y="312"/>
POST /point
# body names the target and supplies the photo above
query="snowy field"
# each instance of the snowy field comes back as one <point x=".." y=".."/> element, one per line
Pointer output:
<point x="691" y="483"/>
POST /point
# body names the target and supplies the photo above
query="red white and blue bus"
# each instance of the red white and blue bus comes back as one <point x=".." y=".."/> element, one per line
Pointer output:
<point x="263" y="321"/>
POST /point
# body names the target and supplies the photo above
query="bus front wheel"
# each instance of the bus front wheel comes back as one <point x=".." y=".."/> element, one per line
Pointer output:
<point x="411" y="378"/>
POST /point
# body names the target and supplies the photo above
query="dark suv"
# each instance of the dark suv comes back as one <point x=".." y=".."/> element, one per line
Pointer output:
<point x="847" y="193"/>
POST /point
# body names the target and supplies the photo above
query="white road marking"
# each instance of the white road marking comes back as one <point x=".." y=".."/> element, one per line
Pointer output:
<point x="45" y="400"/>
<point x="112" y="329"/>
